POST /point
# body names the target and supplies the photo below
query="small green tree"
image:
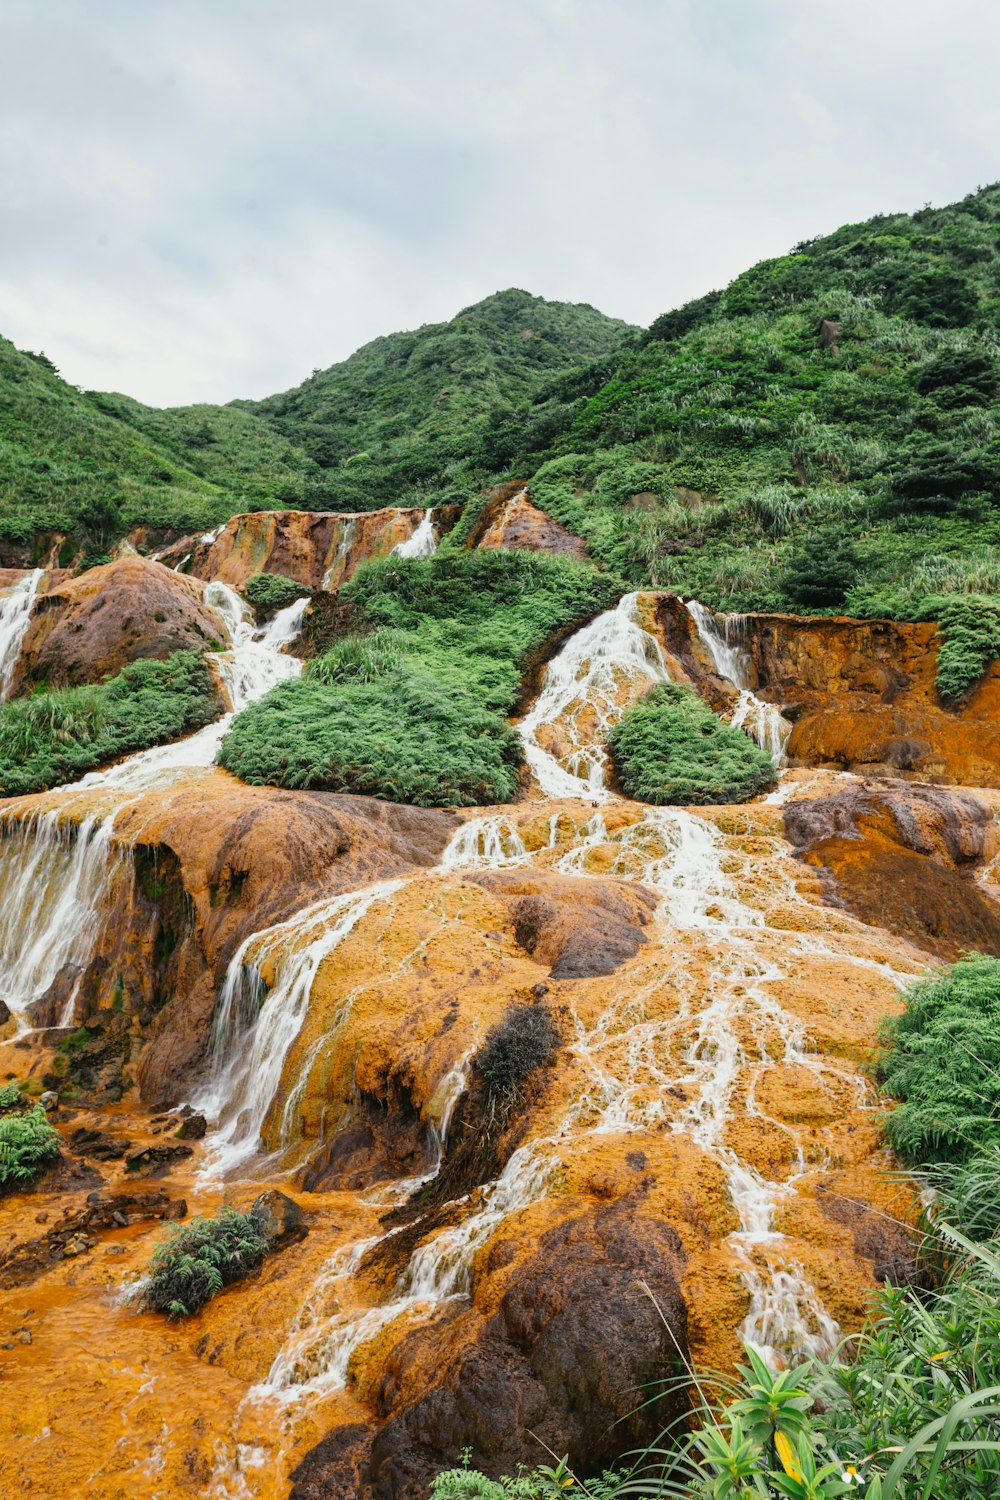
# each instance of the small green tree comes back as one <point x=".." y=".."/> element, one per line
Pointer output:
<point x="821" y="570"/>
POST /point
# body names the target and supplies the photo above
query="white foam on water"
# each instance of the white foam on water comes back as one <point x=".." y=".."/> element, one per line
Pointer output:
<point x="15" y="617"/>
<point x="422" y="542"/>
<point x="335" y="572"/>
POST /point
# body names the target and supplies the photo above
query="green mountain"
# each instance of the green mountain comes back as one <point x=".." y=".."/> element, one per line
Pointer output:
<point x="411" y="417"/>
<point x="824" y="433"/>
<point x="404" y="419"/>
<point x="825" y="429"/>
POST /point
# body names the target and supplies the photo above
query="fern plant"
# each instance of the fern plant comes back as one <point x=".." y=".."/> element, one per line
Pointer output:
<point x="198" y="1259"/>
<point x="27" y="1143"/>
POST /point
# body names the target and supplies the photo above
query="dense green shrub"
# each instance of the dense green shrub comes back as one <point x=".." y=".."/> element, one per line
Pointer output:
<point x="200" y="1258"/>
<point x="970" y="640"/>
<point x="409" y="739"/>
<point x="358" y="658"/>
<point x="821" y="570"/>
<point x="416" y="711"/>
<point x="56" y="735"/>
<point x="27" y="1143"/>
<point x="670" y="748"/>
<point x="10" y="1094"/>
<point x="942" y="1059"/>
<point x="266" y="592"/>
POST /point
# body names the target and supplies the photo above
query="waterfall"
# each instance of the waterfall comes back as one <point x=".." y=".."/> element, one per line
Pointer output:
<point x="51" y="885"/>
<point x="762" y="721"/>
<point x="335" y="572"/>
<point x="15" y="617"/>
<point x="484" y="843"/>
<point x="584" y="691"/>
<point x="53" y="877"/>
<point x="254" y="1027"/>
<point x="422" y="542"/>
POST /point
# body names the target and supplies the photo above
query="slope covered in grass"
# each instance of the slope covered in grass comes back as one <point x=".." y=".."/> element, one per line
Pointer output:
<point x="57" y="735"/>
<point x="851" y="384"/>
<point x="417" y="710"/>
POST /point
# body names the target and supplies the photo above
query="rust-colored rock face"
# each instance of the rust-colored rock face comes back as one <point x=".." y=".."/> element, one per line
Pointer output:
<point x="860" y="693"/>
<point x="511" y="522"/>
<point x="554" y="1092"/>
<point x="321" y="549"/>
<point x="87" y="628"/>
<point x="906" y="858"/>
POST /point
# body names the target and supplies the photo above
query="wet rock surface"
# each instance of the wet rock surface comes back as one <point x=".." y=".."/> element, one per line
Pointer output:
<point x="904" y="857"/>
<point x="511" y="521"/>
<point x="87" y="628"/>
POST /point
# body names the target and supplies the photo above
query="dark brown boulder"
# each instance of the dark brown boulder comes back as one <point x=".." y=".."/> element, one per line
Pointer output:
<point x="580" y="928"/>
<point x="569" y="1357"/>
<point x="280" y="1220"/>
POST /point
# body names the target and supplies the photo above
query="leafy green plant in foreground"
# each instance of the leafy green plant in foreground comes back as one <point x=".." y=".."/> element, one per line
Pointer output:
<point x="671" y="748"/>
<point x="200" y="1258"/>
<point x="27" y="1143"/>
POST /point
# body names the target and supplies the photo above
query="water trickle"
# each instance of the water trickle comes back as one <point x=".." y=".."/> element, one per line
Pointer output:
<point x="422" y="542"/>
<point x="762" y="721"/>
<point x="15" y="617"/>
<point x="255" y="1027"/>
<point x="584" y="692"/>
<point x="334" y="574"/>
<point x="484" y="843"/>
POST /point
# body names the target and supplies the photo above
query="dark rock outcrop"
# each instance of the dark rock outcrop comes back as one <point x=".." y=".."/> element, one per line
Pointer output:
<point x="904" y="857"/>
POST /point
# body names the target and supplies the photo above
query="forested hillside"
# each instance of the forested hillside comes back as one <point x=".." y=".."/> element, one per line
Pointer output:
<point x="821" y="435"/>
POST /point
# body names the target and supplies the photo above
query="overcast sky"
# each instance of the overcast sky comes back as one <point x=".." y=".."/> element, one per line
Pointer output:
<point x="204" y="199"/>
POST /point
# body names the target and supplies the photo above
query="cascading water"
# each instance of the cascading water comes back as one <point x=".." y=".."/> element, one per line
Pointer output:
<point x="583" y="693"/>
<point x="255" y="1027"/>
<point x="54" y="877"/>
<point x="15" y="617"/>
<point x="761" y="720"/>
<point x="51" y="887"/>
<point x="422" y="542"/>
<point x="335" y="572"/>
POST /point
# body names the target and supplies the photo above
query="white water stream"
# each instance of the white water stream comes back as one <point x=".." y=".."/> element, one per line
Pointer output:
<point x="731" y="660"/>
<point x="422" y="542"/>
<point x="581" y="696"/>
<point x="15" y="617"/>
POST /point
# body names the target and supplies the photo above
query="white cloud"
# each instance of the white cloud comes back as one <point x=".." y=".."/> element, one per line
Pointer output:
<point x="208" y="201"/>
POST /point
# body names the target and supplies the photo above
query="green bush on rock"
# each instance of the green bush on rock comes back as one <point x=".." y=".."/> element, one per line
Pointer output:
<point x="200" y="1258"/>
<point x="670" y="748"/>
<point x="266" y="592"/>
<point x="54" y="736"/>
<point x="27" y="1143"/>
<point x="416" y="710"/>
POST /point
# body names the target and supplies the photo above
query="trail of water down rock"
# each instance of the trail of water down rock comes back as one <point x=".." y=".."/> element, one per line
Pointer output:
<point x="422" y="542"/>
<point x="54" y="875"/>
<point x="731" y="660"/>
<point x="335" y="571"/>
<point x="715" y="1042"/>
<point x="15" y="617"/>
<point x="581" y="696"/>
<point x="254" y="1027"/>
